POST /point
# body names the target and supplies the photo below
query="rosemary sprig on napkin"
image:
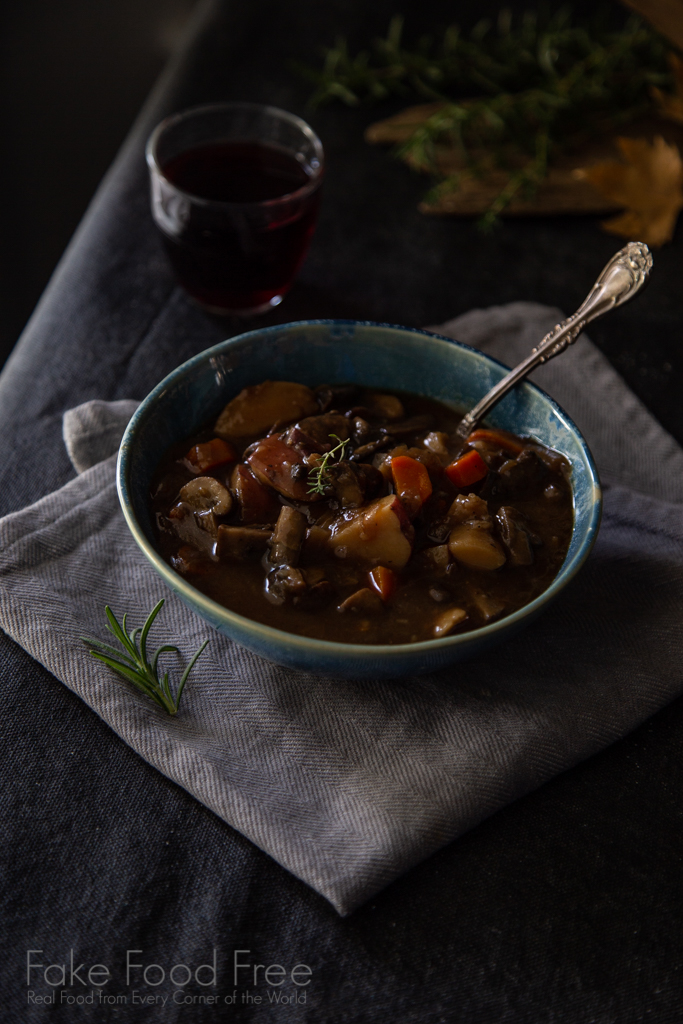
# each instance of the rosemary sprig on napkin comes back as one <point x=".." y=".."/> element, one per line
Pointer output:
<point x="133" y="664"/>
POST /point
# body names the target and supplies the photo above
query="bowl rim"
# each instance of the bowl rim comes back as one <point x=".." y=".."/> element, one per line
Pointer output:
<point x="270" y="635"/>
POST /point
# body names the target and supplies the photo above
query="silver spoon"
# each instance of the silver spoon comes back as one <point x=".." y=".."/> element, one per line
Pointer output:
<point x="622" y="278"/>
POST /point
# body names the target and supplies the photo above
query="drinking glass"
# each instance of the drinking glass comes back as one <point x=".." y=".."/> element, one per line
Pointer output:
<point x="235" y="195"/>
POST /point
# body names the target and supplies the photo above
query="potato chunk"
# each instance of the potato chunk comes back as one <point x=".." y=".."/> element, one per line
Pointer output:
<point x="388" y="407"/>
<point x="379" y="535"/>
<point x="258" y="408"/>
<point x="474" y="546"/>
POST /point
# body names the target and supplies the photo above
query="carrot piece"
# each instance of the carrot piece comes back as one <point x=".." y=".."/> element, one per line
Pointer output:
<point x="210" y="454"/>
<point x="499" y="437"/>
<point x="467" y="469"/>
<point x="411" y="482"/>
<point x="383" y="580"/>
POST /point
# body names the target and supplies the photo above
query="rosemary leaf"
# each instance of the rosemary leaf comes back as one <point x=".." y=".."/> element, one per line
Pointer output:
<point x="132" y="663"/>
<point x="183" y="680"/>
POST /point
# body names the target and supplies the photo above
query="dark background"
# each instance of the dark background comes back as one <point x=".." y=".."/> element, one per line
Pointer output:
<point x="73" y="76"/>
<point x="563" y="907"/>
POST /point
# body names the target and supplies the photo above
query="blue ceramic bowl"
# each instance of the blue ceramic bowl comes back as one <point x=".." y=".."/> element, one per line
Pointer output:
<point x="378" y="356"/>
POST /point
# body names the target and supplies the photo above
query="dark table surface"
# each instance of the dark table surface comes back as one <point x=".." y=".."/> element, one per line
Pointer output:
<point x="564" y="906"/>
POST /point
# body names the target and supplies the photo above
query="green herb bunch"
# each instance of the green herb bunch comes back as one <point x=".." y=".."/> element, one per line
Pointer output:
<point x="513" y="95"/>
<point x="133" y="664"/>
<point x="318" y="477"/>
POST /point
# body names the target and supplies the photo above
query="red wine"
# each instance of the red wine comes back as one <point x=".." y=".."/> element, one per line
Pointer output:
<point x="236" y="172"/>
<point x="239" y="258"/>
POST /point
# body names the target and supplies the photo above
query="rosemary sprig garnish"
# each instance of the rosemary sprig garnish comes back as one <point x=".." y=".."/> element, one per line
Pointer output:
<point x="133" y="664"/>
<point x="512" y="95"/>
<point x="318" y="477"/>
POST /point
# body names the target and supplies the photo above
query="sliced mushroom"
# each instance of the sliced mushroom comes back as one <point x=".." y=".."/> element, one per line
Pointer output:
<point x="364" y="601"/>
<point x="448" y="620"/>
<point x="258" y="408"/>
<point x="366" y="450"/>
<point x="205" y="493"/>
<point x="288" y="536"/>
<point x="285" y="584"/>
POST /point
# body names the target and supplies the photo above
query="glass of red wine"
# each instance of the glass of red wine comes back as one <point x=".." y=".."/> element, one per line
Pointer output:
<point x="235" y="194"/>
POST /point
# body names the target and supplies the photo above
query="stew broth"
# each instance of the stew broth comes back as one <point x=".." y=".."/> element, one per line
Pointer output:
<point x="351" y="515"/>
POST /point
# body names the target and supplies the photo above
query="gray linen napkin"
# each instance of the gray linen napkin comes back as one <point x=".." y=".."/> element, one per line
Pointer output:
<point x="345" y="783"/>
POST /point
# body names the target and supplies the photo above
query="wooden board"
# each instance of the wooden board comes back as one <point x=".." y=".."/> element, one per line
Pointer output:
<point x="665" y="15"/>
<point x="563" y="192"/>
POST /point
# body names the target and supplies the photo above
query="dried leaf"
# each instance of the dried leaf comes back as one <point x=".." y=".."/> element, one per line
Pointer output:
<point x="671" y="106"/>
<point x="647" y="183"/>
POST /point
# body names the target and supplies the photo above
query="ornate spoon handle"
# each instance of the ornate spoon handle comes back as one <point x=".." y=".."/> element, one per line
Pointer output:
<point x="624" y="275"/>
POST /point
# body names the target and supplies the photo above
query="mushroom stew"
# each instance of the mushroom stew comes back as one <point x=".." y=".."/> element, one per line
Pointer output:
<point x="353" y="515"/>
